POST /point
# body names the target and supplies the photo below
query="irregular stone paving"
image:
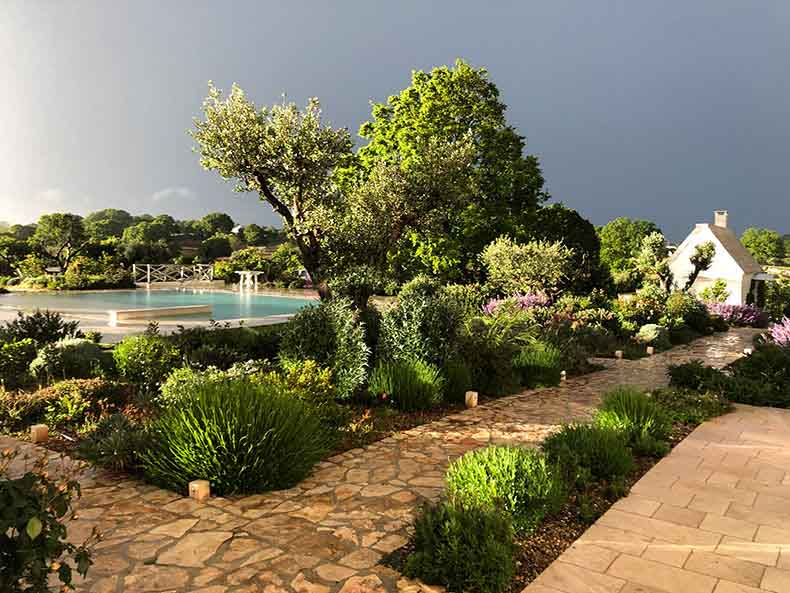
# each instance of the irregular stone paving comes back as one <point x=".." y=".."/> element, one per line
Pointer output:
<point x="329" y="533"/>
<point x="714" y="515"/>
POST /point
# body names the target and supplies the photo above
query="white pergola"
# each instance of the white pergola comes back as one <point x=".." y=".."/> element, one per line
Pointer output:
<point x="248" y="279"/>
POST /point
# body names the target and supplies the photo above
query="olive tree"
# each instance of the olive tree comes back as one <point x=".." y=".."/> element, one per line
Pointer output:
<point x="285" y="155"/>
<point x="536" y="266"/>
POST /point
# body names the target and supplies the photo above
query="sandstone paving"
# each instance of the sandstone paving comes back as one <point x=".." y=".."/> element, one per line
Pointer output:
<point x="329" y="533"/>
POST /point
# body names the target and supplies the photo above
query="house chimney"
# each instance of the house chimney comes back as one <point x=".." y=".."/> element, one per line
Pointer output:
<point x="720" y="218"/>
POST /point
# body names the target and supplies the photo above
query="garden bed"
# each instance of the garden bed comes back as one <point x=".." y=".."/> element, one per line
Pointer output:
<point x="535" y="552"/>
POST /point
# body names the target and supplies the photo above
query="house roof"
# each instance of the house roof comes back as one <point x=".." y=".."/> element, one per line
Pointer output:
<point x="731" y="244"/>
<point x="735" y="248"/>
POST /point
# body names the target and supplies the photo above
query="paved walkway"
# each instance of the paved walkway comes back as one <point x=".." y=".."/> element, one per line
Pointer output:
<point x="328" y="534"/>
<point x="712" y="516"/>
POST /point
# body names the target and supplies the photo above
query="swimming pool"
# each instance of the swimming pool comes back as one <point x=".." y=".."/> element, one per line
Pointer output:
<point x="226" y="305"/>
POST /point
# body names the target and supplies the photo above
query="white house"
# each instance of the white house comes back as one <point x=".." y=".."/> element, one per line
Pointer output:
<point x="732" y="263"/>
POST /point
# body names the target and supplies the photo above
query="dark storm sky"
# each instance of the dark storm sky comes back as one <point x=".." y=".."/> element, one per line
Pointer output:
<point x="659" y="110"/>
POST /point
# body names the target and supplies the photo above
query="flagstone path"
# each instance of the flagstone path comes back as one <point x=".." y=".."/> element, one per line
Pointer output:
<point x="328" y="534"/>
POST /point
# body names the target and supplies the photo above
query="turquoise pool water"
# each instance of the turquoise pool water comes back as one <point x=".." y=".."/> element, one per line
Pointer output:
<point x="226" y="304"/>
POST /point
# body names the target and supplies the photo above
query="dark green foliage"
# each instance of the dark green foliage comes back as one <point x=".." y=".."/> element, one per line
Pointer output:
<point x="682" y="334"/>
<point x="115" y="443"/>
<point x="760" y="379"/>
<point x="719" y="324"/>
<point x="467" y="550"/>
<point x="458" y="380"/>
<point x="560" y="223"/>
<point x="72" y="358"/>
<point x="241" y="436"/>
<point x="43" y="327"/>
<point x="689" y="406"/>
<point x="696" y="376"/>
<point x="517" y="480"/>
<point x="408" y="384"/>
<point x="423" y="324"/>
<point x="330" y="334"/>
<point x="15" y="359"/>
<point x="587" y="452"/>
<point x="487" y="345"/>
<point x="468" y="299"/>
<point x="539" y="364"/>
<point x="358" y="284"/>
<point x="34" y="551"/>
<point x="146" y="360"/>
<point x="370" y="317"/>
<point x="636" y="415"/>
<point x="221" y="346"/>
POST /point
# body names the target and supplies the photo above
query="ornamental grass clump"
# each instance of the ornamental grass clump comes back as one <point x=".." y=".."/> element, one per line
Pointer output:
<point x="644" y="422"/>
<point x="239" y="435"/>
<point x="539" y="364"/>
<point x="519" y="481"/>
<point x="408" y="384"/>
<point x="466" y="550"/>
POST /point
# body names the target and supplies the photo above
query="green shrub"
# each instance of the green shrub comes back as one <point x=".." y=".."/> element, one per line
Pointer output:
<point x="696" y="376"/>
<point x="358" y="285"/>
<point x="520" y="268"/>
<point x="221" y="346"/>
<point x="146" y="360"/>
<point x="654" y="335"/>
<point x="683" y="308"/>
<point x="539" y="365"/>
<point x="423" y="324"/>
<point x="458" y="380"/>
<point x="633" y="413"/>
<point x="408" y="384"/>
<point x="43" y="327"/>
<point x="691" y="407"/>
<point x="74" y="401"/>
<point x="719" y="324"/>
<point x="330" y="334"/>
<point x="515" y="479"/>
<point x="761" y="378"/>
<point x="72" y="358"/>
<point x="587" y="452"/>
<point x="241" y="436"/>
<point x="115" y="443"/>
<point x="716" y="292"/>
<point x="464" y="550"/>
<point x="35" y="554"/>
<point x="682" y="334"/>
<point x="15" y="359"/>
<point x="487" y="345"/>
<point x="181" y="383"/>
<point x="467" y="299"/>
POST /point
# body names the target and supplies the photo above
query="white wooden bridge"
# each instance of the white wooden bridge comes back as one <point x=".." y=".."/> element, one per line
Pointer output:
<point x="150" y="273"/>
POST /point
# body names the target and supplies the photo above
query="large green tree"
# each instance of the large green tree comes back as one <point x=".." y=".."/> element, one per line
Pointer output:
<point x="448" y="105"/>
<point x="621" y="243"/>
<point x="60" y="237"/>
<point x="289" y="158"/>
<point x="284" y="155"/>
<point x="13" y="251"/>
<point x="765" y="245"/>
<point x="107" y="223"/>
<point x="218" y="223"/>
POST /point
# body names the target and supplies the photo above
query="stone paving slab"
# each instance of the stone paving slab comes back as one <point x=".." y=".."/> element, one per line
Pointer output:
<point x="328" y="534"/>
<point x="712" y="516"/>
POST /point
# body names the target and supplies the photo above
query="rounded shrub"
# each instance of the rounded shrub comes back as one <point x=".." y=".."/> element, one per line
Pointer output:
<point x="463" y="549"/>
<point x="330" y="334"/>
<point x="517" y="479"/>
<point x="654" y="335"/>
<point x="458" y="380"/>
<point x="146" y="360"/>
<point x="241" y="436"/>
<point x="635" y="414"/>
<point x="586" y="452"/>
<point x="15" y="359"/>
<point x="539" y="364"/>
<point x="408" y="384"/>
<point x="69" y="359"/>
<point x="181" y="383"/>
